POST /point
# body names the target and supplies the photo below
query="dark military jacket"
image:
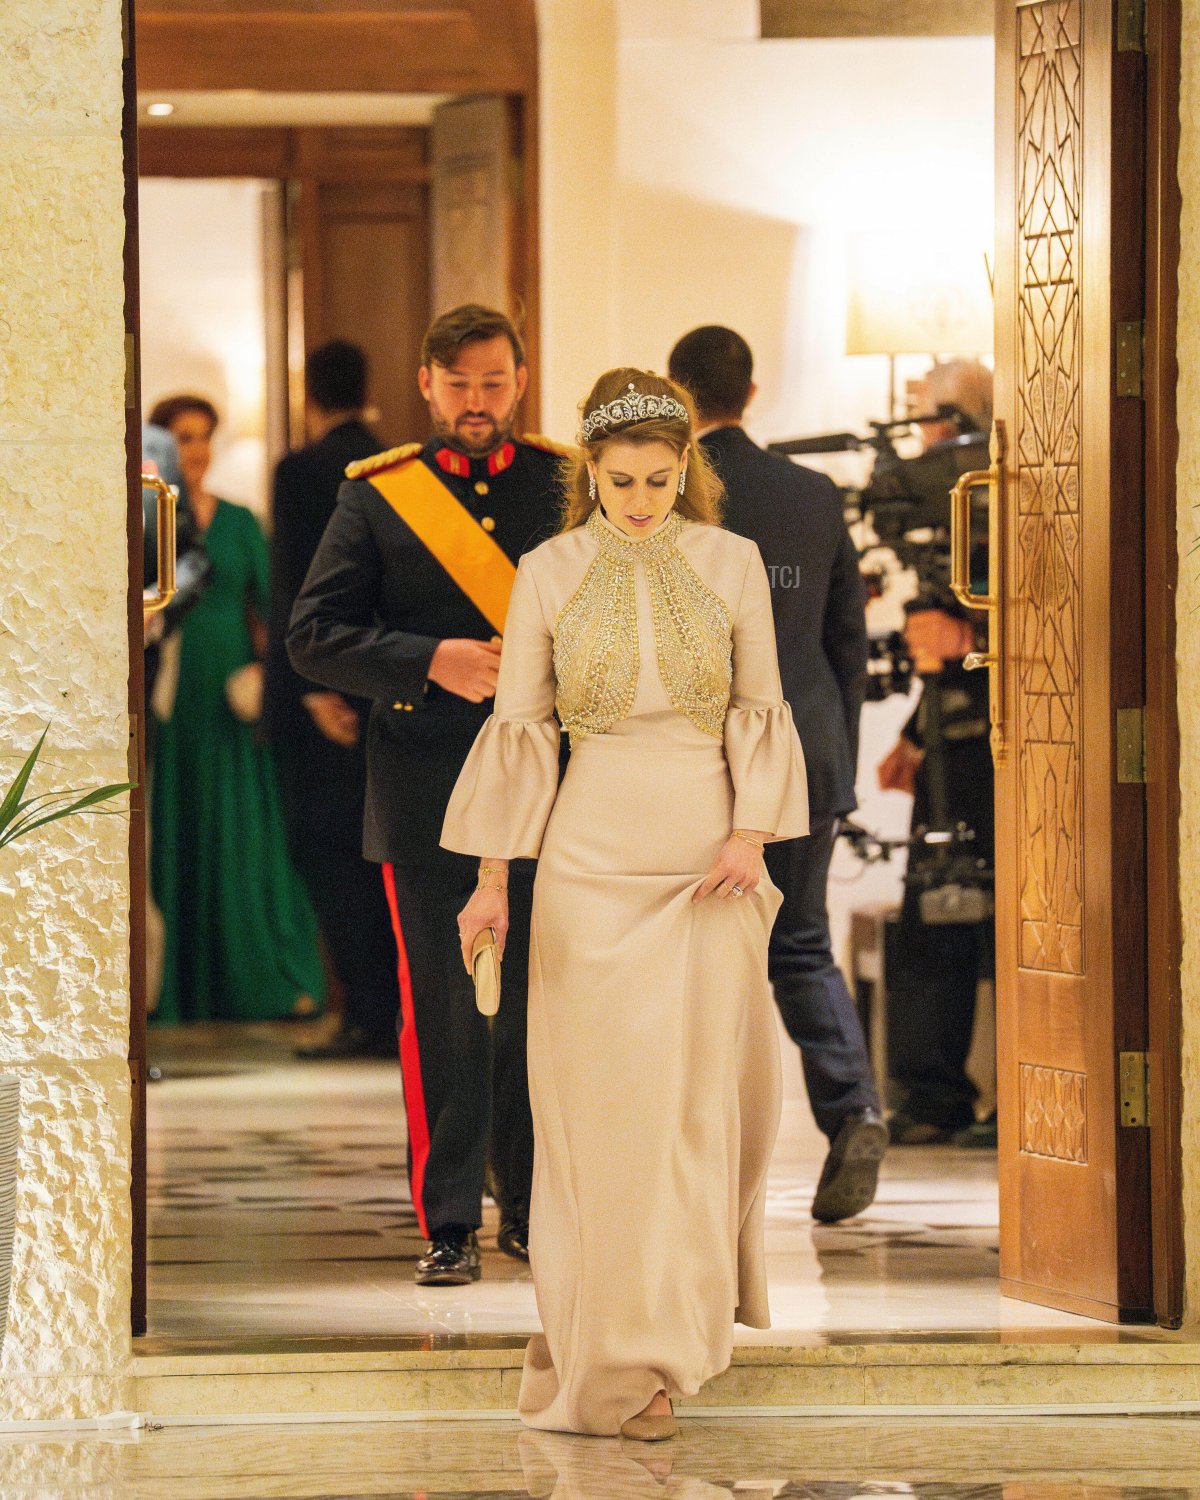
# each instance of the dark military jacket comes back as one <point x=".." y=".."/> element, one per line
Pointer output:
<point x="374" y="607"/>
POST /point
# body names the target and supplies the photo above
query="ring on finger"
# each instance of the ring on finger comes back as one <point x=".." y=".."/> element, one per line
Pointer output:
<point x="736" y="890"/>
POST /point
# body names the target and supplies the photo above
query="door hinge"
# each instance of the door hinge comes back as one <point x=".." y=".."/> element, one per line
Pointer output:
<point x="1135" y="1089"/>
<point x="1131" y="25"/>
<point x="1131" y="746"/>
<point x="1131" y="346"/>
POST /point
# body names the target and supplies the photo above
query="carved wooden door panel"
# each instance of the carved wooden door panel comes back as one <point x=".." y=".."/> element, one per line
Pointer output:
<point x="1070" y="875"/>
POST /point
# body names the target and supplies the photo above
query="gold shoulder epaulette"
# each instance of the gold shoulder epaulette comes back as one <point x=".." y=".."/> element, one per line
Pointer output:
<point x="547" y="445"/>
<point x="362" y="467"/>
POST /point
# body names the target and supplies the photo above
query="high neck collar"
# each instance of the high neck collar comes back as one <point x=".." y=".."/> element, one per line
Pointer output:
<point x="464" y="466"/>
<point x="612" y="538"/>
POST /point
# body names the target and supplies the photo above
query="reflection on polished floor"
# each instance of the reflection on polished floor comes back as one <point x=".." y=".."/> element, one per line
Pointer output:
<point x="278" y="1208"/>
<point x="1100" y="1459"/>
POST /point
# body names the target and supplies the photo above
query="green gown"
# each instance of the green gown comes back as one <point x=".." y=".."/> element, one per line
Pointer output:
<point x="241" y="939"/>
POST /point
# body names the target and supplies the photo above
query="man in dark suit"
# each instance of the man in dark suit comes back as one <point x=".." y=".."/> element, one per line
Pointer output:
<point x="404" y="604"/>
<point x="319" y="733"/>
<point x="819" y="603"/>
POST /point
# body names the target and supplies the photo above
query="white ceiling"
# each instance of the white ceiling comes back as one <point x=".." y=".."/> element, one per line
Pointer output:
<point x="254" y="107"/>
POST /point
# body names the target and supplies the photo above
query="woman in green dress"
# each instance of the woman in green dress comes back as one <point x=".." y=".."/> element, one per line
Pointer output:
<point x="240" y="934"/>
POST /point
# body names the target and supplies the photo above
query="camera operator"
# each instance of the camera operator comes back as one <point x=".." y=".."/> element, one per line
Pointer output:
<point x="943" y="760"/>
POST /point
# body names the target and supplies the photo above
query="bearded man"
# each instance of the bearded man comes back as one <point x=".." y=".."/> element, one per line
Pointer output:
<point x="404" y="605"/>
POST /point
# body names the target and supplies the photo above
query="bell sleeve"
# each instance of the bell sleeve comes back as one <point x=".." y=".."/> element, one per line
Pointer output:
<point x="766" y="762"/>
<point x="502" y="799"/>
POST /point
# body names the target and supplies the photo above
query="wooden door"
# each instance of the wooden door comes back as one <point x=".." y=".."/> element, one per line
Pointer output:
<point x="1070" y="877"/>
<point x="365" y="257"/>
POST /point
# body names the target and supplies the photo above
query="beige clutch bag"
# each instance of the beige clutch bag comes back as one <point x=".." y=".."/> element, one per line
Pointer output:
<point x="485" y="970"/>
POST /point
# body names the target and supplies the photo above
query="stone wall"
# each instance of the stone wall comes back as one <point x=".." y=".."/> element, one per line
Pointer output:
<point x="64" y="894"/>
<point x="1189" y="636"/>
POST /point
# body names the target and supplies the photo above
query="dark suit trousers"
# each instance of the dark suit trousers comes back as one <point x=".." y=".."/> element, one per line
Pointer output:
<point x="324" y="786"/>
<point x="813" y="999"/>
<point x="466" y="1086"/>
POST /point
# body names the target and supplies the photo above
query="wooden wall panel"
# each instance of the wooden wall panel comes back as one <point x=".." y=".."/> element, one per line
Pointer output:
<point x="365" y="251"/>
<point x="322" y="46"/>
<point x="325" y="154"/>
<point x="867" y="18"/>
<point x="215" y="151"/>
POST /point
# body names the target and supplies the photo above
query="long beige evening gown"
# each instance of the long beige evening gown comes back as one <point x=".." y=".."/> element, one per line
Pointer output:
<point x="653" y="1057"/>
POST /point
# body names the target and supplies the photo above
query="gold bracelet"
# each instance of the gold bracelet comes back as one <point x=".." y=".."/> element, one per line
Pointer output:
<point x="746" y="837"/>
<point x="486" y="885"/>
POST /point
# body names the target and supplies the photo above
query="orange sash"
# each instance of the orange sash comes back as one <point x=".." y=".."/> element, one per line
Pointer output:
<point x="480" y="566"/>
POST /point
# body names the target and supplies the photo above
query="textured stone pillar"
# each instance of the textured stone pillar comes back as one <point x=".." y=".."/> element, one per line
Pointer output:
<point x="64" y="894"/>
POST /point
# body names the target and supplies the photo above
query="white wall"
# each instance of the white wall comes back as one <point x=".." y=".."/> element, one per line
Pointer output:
<point x="203" y="315"/>
<point x="745" y="168"/>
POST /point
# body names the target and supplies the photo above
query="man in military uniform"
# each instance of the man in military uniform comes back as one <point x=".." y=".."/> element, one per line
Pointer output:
<point x="819" y="605"/>
<point x="404" y="605"/>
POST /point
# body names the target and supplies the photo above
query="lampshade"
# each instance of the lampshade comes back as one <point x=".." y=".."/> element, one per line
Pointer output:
<point x="910" y="296"/>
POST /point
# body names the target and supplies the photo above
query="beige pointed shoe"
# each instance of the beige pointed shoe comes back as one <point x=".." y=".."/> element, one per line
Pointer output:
<point x="651" y="1429"/>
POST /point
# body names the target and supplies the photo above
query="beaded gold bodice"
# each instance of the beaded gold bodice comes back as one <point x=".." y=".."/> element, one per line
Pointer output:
<point x="596" y="651"/>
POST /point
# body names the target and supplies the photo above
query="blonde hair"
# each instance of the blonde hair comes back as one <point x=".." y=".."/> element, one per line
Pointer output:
<point x="702" y="490"/>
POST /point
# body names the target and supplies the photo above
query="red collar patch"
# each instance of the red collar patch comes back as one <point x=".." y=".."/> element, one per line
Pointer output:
<point x="453" y="463"/>
<point x="498" y="462"/>
<point x="459" y="464"/>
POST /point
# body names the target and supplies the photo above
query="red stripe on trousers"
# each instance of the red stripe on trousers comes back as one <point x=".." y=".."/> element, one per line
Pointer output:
<point x="410" y="1062"/>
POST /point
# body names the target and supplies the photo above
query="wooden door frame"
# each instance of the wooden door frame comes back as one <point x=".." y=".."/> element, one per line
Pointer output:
<point x="1164" y="935"/>
<point x="136" y="681"/>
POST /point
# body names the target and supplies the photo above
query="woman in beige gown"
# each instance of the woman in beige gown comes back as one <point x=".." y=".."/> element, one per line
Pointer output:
<point x="653" y="1058"/>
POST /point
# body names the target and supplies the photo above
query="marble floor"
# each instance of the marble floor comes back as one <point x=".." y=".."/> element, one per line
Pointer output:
<point x="1098" y="1459"/>
<point x="278" y="1209"/>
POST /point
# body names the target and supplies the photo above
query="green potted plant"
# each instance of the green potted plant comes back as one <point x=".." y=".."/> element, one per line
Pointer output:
<point x="20" y="813"/>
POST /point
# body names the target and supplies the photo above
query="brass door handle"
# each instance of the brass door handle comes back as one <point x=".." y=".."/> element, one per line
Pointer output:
<point x="165" y="589"/>
<point x="991" y="603"/>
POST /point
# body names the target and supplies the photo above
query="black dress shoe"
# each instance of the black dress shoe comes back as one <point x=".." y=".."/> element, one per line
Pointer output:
<point x="349" y="1041"/>
<point x="850" y="1176"/>
<point x="451" y="1259"/>
<point x="513" y="1238"/>
<point x="905" y="1130"/>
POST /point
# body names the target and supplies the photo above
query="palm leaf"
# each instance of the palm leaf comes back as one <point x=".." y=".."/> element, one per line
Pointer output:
<point x="20" y="815"/>
<point x="12" y="799"/>
<point x="101" y="794"/>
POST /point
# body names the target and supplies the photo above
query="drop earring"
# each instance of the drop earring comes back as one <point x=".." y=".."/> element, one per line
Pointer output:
<point x="591" y="487"/>
<point x="682" y="480"/>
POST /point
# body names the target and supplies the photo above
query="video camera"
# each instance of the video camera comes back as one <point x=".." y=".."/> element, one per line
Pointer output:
<point x="954" y="884"/>
<point x="907" y="505"/>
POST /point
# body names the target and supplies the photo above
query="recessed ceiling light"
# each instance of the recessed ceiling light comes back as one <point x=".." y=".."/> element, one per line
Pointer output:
<point x="160" y="110"/>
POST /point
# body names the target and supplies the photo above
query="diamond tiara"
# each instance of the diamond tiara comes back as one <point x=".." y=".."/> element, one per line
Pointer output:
<point x="632" y="407"/>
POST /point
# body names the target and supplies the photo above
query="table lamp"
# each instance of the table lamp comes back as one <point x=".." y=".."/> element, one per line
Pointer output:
<point x="917" y="296"/>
